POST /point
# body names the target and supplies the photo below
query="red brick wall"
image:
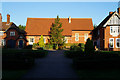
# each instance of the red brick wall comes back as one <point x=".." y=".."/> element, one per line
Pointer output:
<point x="70" y="39"/>
<point x="101" y="36"/>
<point x="18" y="41"/>
<point x="107" y="36"/>
<point x="12" y="37"/>
<point x="81" y="36"/>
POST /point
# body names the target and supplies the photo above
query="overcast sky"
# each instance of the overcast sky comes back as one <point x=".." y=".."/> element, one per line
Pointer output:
<point x="20" y="11"/>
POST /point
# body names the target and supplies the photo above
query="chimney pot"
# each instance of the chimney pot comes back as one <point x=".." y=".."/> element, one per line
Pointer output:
<point x="8" y="18"/>
<point x="110" y="12"/>
<point x="69" y="19"/>
<point x="0" y="20"/>
<point x="118" y="10"/>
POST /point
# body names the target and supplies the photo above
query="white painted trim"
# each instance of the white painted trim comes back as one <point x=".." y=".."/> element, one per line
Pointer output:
<point x="31" y="43"/>
<point x="44" y="39"/>
<point x="85" y="37"/>
<point x="114" y="34"/>
<point x="12" y="32"/>
<point x="3" y="42"/>
<point x="110" y="18"/>
<point x="109" y="42"/>
<point x="77" y="35"/>
<point x="116" y="42"/>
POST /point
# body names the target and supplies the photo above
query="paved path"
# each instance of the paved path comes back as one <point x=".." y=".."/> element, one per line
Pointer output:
<point x="55" y="65"/>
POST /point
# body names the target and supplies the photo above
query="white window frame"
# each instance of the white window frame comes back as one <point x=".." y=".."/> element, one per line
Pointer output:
<point x="66" y="40"/>
<point x="113" y="29"/>
<point x="85" y="36"/>
<point x="3" y="42"/>
<point x="31" y="43"/>
<point x="1" y="33"/>
<point x="44" y="40"/>
<point x="116" y="43"/>
<point x="33" y="40"/>
<point x="12" y="33"/>
<point x="109" y="42"/>
<point x="76" y="38"/>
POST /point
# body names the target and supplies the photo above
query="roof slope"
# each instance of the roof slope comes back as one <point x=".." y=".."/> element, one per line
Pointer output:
<point x="13" y="26"/>
<point x="5" y="26"/>
<point x="105" y="20"/>
<point x="41" y="26"/>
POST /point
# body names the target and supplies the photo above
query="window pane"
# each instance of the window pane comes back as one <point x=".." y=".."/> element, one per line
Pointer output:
<point x="118" y="42"/>
<point x="77" y="37"/>
<point x="111" y="43"/>
<point x="31" y="39"/>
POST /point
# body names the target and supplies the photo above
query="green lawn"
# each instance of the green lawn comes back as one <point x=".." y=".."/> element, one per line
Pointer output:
<point x="89" y="74"/>
<point x="13" y="74"/>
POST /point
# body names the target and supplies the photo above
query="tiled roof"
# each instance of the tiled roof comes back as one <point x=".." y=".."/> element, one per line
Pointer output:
<point x="5" y="26"/>
<point x="41" y="26"/>
<point x="105" y="20"/>
<point x="13" y="26"/>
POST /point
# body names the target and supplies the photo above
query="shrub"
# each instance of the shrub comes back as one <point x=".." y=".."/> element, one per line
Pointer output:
<point x="73" y="54"/>
<point x="89" y="48"/>
<point x="41" y="42"/>
<point x="28" y="47"/>
<point x="35" y="45"/>
<point x="74" y="47"/>
<point x="40" y="48"/>
<point x="17" y="59"/>
<point x="82" y="46"/>
<point x="20" y="59"/>
<point x="49" y="46"/>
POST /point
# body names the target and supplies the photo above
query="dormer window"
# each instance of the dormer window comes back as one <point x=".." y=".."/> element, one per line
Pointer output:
<point x="12" y="33"/>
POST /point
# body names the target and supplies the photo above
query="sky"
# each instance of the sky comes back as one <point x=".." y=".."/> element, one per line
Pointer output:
<point x="20" y="11"/>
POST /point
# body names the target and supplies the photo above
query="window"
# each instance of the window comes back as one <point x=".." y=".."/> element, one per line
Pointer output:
<point x="32" y="40"/>
<point x="76" y="36"/>
<point x="3" y="42"/>
<point x="12" y="33"/>
<point x="117" y="42"/>
<point x="98" y="32"/>
<point x="44" y="40"/>
<point x="114" y="29"/>
<point x="85" y="36"/>
<point x="66" y="40"/>
<point x="111" y="42"/>
<point x="1" y="33"/>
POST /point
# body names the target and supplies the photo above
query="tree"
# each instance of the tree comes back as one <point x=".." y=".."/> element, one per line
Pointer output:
<point x="22" y="27"/>
<point x="95" y="26"/>
<point x="89" y="48"/>
<point x="41" y="42"/>
<point x="56" y="37"/>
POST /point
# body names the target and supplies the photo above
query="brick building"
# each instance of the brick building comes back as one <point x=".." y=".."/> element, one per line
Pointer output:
<point x="11" y="36"/>
<point x="107" y="34"/>
<point x="76" y="30"/>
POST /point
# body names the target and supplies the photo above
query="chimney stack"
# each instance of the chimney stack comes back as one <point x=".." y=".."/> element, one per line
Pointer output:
<point x="69" y="19"/>
<point x="110" y="13"/>
<point x="0" y="20"/>
<point x="118" y="10"/>
<point x="8" y="18"/>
